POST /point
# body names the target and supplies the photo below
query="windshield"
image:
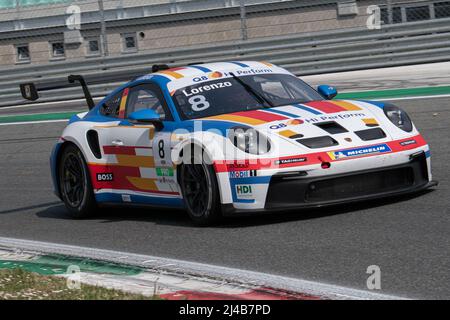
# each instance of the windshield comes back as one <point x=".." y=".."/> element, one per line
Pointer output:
<point x="228" y="95"/>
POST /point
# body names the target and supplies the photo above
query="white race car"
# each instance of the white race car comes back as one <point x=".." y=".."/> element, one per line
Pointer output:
<point x="233" y="137"/>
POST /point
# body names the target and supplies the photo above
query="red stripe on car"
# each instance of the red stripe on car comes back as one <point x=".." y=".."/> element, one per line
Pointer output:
<point x="310" y="158"/>
<point x="259" y="115"/>
<point x="130" y="151"/>
<point x="324" y="106"/>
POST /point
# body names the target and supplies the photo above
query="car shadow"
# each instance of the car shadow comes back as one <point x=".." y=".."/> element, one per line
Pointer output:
<point x="179" y="218"/>
<point x="316" y="213"/>
<point x="20" y="209"/>
<point x="117" y="214"/>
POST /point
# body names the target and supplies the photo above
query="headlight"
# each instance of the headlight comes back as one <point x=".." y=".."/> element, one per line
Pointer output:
<point x="249" y="140"/>
<point x="398" y="117"/>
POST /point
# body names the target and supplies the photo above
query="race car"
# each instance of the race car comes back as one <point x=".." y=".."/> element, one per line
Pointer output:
<point x="221" y="139"/>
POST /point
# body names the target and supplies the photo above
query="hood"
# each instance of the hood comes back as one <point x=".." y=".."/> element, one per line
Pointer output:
<point x="319" y="125"/>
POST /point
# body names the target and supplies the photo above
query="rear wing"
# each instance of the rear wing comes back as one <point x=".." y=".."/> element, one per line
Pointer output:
<point x="30" y="91"/>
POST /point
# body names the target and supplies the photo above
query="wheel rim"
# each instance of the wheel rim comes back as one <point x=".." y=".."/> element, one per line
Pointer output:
<point x="196" y="189"/>
<point x="73" y="180"/>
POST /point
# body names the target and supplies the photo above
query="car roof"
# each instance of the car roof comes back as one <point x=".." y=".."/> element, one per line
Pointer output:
<point x="202" y="69"/>
<point x="175" y="78"/>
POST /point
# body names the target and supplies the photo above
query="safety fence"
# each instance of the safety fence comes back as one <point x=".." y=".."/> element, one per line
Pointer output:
<point x="306" y="37"/>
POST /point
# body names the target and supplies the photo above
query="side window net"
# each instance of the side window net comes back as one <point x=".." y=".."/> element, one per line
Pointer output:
<point x="111" y="107"/>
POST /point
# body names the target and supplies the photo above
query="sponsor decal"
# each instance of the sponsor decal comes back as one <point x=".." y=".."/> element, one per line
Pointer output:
<point x="243" y="72"/>
<point x="244" y="191"/>
<point x="164" y="172"/>
<point x="408" y="142"/>
<point x="216" y="75"/>
<point x="105" y="177"/>
<point x="278" y="126"/>
<point x="242" y="174"/>
<point x="166" y="180"/>
<point x="295" y="122"/>
<point x="212" y="75"/>
<point x="289" y="161"/>
<point x="340" y="116"/>
<point x="200" y="79"/>
<point x="126" y="198"/>
<point x="207" y="87"/>
<point x="359" y="152"/>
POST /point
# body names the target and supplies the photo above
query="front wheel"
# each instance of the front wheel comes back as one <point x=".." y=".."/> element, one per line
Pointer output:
<point x="75" y="183"/>
<point x="201" y="193"/>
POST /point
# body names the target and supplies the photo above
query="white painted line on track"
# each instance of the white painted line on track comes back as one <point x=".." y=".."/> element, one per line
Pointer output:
<point x="413" y="98"/>
<point x="199" y="269"/>
<point x="31" y="122"/>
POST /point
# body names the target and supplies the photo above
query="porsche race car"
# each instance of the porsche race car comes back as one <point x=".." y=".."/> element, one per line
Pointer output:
<point x="233" y="137"/>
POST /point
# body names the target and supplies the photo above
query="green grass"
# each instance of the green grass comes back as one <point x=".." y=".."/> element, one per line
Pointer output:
<point x="18" y="284"/>
<point x="37" y="117"/>
<point x="55" y="264"/>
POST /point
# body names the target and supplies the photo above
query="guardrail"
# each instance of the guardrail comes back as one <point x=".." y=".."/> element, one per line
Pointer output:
<point x="303" y="54"/>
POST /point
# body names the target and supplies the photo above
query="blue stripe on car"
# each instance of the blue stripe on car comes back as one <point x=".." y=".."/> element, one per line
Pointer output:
<point x="157" y="201"/>
<point x="240" y="64"/>
<point x="284" y="113"/>
<point x="305" y="108"/>
<point x="203" y="69"/>
<point x="375" y="103"/>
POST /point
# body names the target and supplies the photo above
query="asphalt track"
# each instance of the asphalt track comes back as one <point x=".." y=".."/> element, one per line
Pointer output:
<point x="408" y="237"/>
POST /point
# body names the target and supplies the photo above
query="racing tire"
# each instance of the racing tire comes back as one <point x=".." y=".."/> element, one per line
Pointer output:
<point x="200" y="192"/>
<point x="75" y="184"/>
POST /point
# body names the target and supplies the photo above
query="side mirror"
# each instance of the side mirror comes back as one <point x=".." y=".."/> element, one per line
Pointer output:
<point x="327" y="92"/>
<point x="147" y="116"/>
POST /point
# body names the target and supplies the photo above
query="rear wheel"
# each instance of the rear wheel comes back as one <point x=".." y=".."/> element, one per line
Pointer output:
<point x="75" y="183"/>
<point x="200" y="192"/>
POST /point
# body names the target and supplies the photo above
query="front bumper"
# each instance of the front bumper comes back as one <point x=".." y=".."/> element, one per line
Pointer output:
<point x="298" y="191"/>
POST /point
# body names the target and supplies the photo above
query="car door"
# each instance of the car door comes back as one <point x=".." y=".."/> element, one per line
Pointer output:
<point x="138" y="155"/>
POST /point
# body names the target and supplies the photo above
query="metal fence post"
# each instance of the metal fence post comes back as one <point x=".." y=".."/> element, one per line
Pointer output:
<point x="243" y="20"/>
<point x="17" y="19"/>
<point x="390" y="13"/>
<point x="103" y="39"/>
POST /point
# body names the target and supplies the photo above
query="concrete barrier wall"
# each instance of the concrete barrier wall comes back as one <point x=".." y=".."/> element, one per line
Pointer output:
<point x="165" y="24"/>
